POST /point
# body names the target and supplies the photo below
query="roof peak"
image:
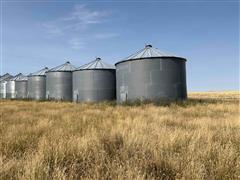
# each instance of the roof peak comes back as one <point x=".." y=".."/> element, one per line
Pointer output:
<point x="148" y="52"/>
<point x="22" y="78"/>
<point x="67" y="66"/>
<point x="148" y="46"/>
<point x="19" y="76"/>
<point x="98" y="63"/>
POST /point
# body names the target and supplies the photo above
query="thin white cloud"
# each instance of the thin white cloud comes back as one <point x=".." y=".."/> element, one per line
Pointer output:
<point x="76" y="43"/>
<point x="75" y="26"/>
<point x="79" y="19"/>
<point x="52" y="29"/>
<point x="83" y="15"/>
<point x="105" y="35"/>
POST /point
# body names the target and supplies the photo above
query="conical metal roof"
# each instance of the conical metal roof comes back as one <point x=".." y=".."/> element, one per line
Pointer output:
<point x="64" y="67"/>
<point x="22" y="78"/>
<point x="18" y="76"/>
<point x="98" y="63"/>
<point x="6" y="77"/>
<point x="41" y="72"/>
<point x="148" y="52"/>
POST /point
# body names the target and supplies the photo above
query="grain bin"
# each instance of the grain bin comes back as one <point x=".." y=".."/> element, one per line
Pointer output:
<point x="3" y="84"/>
<point x="37" y="84"/>
<point x="21" y="84"/>
<point x="94" y="82"/>
<point x="150" y="74"/>
<point x="59" y="82"/>
<point x="10" y="87"/>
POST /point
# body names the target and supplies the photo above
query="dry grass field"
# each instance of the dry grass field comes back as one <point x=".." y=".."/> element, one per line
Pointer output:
<point x="195" y="139"/>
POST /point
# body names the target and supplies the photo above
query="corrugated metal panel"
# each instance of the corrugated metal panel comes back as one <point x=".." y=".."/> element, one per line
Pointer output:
<point x="37" y="87"/>
<point x="64" y="67"/>
<point x="10" y="90"/>
<point x="94" y="85"/>
<point x="59" y="85"/>
<point x="96" y="64"/>
<point x="3" y="89"/>
<point x="21" y="89"/>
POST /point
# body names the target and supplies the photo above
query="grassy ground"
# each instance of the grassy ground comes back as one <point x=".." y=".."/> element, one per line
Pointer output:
<point x="195" y="139"/>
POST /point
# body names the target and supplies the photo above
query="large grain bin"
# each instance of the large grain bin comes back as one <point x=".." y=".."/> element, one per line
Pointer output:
<point x="21" y="84"/>
<point x="10" y="87"/>
<point x="3" y="84"/>
<point x="151" y="75"/>
<point x="94" y="82"/>
<point x="59" y="82"/>
<point x="37" y="85"/>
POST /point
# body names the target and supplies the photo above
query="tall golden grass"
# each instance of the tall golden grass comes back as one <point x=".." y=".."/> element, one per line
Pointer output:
<point x="195" y="139"/>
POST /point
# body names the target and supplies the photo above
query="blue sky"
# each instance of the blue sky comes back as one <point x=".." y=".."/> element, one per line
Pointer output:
<point x="43" y="33"/>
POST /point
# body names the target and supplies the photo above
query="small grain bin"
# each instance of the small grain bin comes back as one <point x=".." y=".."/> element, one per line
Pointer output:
<point x="21" y="85"/>
<point x="59" y="82"/>
<point x="10" y="86"/>
<point x="94" y="82"/>
<point x="151" y="75"/>
<point x="3" y="84"/>
<point x="37" y="84"/>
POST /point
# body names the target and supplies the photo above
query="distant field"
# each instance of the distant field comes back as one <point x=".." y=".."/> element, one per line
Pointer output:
<point x="195" y="139"/>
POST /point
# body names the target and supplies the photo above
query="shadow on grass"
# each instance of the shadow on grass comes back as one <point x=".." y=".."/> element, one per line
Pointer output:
<point x="167" y="103"/>
<point x="135" y="103"/>
<point x="38" y="100"/>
